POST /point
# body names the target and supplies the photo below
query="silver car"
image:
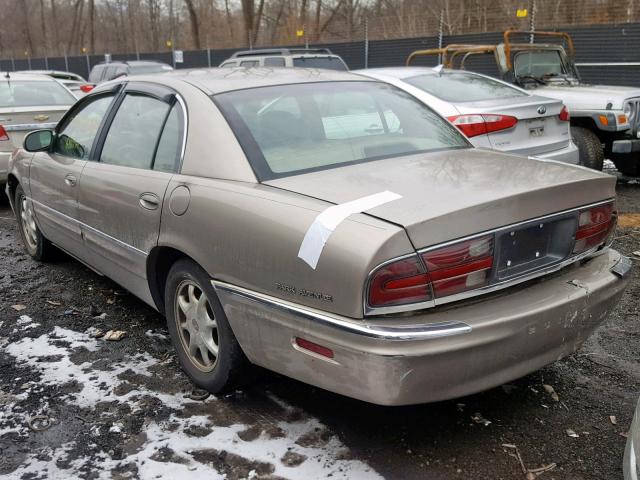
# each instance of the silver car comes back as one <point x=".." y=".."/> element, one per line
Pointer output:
<point x="74" y="82"/>
<point x="632" y="452"/>
<point x="491" y="113"/>
<point x="325" y="226"/>
<point x="27" y="102"/>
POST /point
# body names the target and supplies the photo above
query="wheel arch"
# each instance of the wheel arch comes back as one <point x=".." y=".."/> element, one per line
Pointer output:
<point x="159" y="262"/>
<point x="12" y="183"/>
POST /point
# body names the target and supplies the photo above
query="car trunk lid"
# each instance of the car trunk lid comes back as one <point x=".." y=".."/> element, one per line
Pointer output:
<point x="19" y="121"/>
<point x="539" y="129"/>
<point x="455" y="193"/>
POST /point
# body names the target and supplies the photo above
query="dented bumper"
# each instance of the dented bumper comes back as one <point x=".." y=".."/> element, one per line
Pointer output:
<point x="434" y="355"/>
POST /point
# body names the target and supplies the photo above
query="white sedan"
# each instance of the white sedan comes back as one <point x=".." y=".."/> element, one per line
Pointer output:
<point x="491" y="113"/>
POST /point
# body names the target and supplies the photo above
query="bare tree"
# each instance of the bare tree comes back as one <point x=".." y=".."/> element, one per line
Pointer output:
<point x="193" y="18"/>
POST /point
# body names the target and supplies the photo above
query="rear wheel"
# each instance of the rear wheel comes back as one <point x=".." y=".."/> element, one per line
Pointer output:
<point x="34" y="242"/>
<point x="590" y="149"/>
<point x="207" y="348"/>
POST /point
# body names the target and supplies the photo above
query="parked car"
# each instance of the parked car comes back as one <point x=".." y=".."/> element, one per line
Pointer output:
<point x="74" y="82"/>
<point x="491" y="113"/>
<point x="286" y="57"/>
<point x="325" y="226"/>
<point x="27" y="102"/>
<point x="631" y="465"/>
<point x="104" y="72"/>
<point x="605" y="120"/>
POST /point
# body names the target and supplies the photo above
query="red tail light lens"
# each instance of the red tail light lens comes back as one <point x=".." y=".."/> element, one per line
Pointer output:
<point x="594" y="227"/>
<point x="459" y="267"/>
<point x="86" y="88"/>
<point x="479" y="124"/>
<point x="399" y="283"/>
<point x="564" y="114"/>
<point x="452" y="269"/>
<point x="3" y="134"/>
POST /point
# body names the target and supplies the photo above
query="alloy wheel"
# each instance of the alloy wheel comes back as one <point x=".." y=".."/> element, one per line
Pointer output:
<point x="197" y="326"/>
<point x="28" y="224"/>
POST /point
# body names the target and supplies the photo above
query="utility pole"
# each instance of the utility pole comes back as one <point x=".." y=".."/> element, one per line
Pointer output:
<point x="532" y="20"/>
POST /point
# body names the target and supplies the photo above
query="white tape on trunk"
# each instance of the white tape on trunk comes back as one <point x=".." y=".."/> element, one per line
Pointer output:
<point x="325" y="223"/>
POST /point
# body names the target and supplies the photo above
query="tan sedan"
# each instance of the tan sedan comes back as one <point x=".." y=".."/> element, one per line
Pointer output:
<point x="329" y="227"/>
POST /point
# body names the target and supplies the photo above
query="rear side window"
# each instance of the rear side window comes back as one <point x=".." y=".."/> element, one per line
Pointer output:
<point x="330" y="63"/>
<point x="33" y="94"/>
<point x="76" y="137"/>
<point x="463" y="87"/>
<point x="274" y="62"/>
<point x="133" y="135"/>
<point x="168" y="152"/>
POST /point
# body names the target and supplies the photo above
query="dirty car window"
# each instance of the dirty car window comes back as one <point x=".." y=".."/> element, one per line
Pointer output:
<point x="287" y="130"/>
<point x="463" y="87"/>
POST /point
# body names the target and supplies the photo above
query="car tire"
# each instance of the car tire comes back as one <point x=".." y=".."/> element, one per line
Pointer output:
<point x="590" y="151"/>
<point x="34" y="242"/>
<point x="206" y="346"/>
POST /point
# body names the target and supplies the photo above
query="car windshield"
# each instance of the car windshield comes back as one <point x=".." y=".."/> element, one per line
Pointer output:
<point x="540" y="64"/>
<point x="330" y="63"/>
<point x="463" y="87"/>
<point x="33" y="94"/>
<point x="294" y="129"/>
<point x="151" y="68"/>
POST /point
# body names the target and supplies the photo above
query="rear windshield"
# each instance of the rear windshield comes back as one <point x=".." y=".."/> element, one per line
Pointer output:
<point x="463" y="87"/>
<point x="293" y="129"/>
<point x="33" y="94"/>
<point x="330" y="63"/>
<point x="153" y="68"/>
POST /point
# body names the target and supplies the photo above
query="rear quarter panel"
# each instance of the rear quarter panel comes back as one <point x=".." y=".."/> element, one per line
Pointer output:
<point x="250" y="234"/>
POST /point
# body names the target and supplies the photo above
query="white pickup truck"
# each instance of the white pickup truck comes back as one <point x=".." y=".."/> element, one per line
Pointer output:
<point x="605" y="120"/>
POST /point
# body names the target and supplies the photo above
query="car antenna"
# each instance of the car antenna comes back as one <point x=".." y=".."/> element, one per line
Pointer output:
<point x="6" y="75"/>
<point x="438" y="69"/>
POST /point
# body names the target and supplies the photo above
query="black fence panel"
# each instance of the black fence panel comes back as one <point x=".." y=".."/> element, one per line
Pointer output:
<point x="603" y="44"/>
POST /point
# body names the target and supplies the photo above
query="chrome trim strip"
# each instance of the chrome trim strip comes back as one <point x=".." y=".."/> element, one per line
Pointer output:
<point x="29" y="126"/>
<point x="368" y="310"/>
<point x="381" y="332"/>
<point x="185" y="116"/>
<point x="88" y="227"/>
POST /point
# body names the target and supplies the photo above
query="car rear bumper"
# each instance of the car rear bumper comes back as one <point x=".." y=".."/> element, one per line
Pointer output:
<point x="4" y="166"/>
<point x="569" y="154"/>
<point x="430" y="356"/>
<point x="631" y="466"/>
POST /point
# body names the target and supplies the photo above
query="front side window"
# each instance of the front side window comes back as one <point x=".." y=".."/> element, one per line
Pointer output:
<point x="250" y="63"/>
<point x="76" y="137"/>
<point x="274" y="62"/>
<point x="293" y="129"/>
<point x="133" y="135"/>
<point x="463" y="87"/>
<point x="24" y="93"/>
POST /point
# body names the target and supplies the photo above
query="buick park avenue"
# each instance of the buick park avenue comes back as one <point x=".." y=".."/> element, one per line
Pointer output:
<point x="325" y="226"/>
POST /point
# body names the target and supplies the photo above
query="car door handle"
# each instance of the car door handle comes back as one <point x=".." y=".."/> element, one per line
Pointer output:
<point x="70" y="180"/>
<point x="150" y="201"/>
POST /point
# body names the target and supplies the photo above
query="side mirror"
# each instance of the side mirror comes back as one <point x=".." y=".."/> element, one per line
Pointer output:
<point x="38" y="140"/>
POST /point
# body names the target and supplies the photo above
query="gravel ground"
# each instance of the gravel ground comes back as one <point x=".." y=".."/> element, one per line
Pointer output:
<point x="75" y="406"/>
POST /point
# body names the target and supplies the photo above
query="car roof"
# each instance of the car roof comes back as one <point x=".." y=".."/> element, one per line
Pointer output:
<point x="220" y="80"/>
<point x="281" y="52"/>
<point x="132" y="63"/>
<point x="18" y="76"/>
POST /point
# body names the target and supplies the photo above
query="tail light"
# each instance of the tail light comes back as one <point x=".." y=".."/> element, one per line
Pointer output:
<point x="459" y="267"/>
<point x="564" y="114"/>
<point x="595" y="226"/>
<point x="86" y="88"/>
<point x="3" y="134"/>
<point x="480" y="124"/>
<point x="449" y="270"/>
